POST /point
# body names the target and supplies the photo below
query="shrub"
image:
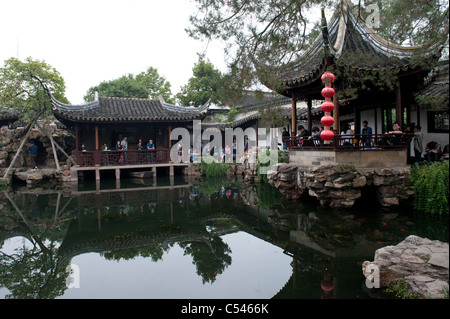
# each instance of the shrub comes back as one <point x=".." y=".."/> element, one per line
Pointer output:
<point x="211" y="168"/>
<point x="431" y="187"/>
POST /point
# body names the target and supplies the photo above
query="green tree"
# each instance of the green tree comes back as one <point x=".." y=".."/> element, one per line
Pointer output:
<point x="274" y="32"/>
<point x="148" y="84"/>
<point x="21" y="87"/>
<point x="205" y="84"/>
<point x="24" y="87"/>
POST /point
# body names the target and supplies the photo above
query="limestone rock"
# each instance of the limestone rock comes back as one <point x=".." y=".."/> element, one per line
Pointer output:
<point x="421" y="262"/>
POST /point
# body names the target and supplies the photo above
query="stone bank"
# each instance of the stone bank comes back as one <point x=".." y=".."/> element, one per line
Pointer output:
<point x="340" y="185"/>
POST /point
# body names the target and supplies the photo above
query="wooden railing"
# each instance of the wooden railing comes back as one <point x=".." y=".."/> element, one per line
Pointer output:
<point x="352" y="142"/>
<point x="116" y="158"/>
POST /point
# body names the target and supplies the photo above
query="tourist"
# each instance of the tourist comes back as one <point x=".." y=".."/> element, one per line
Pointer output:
<point x="140" y="148"/>
<point x="104" y="147"/>
<point x="418" y="143"/>
<point x="433" y="151"/>
<point x="315" y="136"/>
<point x="227" y="151"/>
<point x="33" y="149"/>
<point x="346" y="131"/>
<point x="124" y="145"/>
<point x="192" y="154"/>
<point x="396" y="129"/>
<point x="150" y="151"/>
<point x="150" y="145"/>
<point x="366" y="134"/>
<point x="118" y="146"/>
<point x="83" y="148"/>
<point x="285" y="135"/>
<point x="445" y="152"/>
<point x="302" y="134"/>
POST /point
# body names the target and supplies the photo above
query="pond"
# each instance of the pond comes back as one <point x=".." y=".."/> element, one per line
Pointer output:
<point x="187" y="239"/>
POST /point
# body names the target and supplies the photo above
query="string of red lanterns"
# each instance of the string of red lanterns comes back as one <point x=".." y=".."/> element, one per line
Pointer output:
<point x="327" y="106"/>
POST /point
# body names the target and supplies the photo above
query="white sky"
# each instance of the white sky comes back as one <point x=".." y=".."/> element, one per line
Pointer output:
<point x="99" y="40"/>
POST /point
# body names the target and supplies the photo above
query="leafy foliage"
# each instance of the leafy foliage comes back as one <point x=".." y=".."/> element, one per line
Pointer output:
<point x="144" y="85"/>
<point x="21" y="88"/>
<point x="277" y="32"/>
<point x="211" y="168"/>
<point x="205" y="84"/>
<point x="431" y="187"/>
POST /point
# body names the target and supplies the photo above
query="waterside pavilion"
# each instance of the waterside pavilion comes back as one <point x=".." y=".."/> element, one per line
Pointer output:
<point x="106" y="121"/>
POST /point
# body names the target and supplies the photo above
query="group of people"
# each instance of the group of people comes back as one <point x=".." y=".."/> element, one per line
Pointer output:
<point x="433" y="151"/>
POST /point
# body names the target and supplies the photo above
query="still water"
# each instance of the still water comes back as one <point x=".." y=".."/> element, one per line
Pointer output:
<point x="184" y="238"/>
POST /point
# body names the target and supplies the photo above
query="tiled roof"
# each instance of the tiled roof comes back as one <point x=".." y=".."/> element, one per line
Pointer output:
<point x="351" y="42"/>
<point x="8" y="114"/>
<point x="435" y="94"/>
<point x="108" y="109"/>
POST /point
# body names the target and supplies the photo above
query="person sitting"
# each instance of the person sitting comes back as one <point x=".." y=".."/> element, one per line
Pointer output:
<point x="433" y="151"/>
<point x="445" y="152"/>
<point x="302" y="134"/>
<point x="315" y="136"/>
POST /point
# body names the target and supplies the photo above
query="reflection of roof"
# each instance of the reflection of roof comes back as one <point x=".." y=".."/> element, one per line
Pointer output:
<point x="108" y="109"/>
<point x="353" y="43"/>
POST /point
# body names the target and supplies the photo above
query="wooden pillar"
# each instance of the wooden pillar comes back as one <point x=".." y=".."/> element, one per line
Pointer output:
<point x="357" y="118"/>
<point x="77" y="137"/>
<point x="170" y="140"/>
<point x="96" y="137"/>
<point x="398" y="105"/>
<point x="117" y="173"/>
<point x="294" y="116"/>
<point x="309" y="114"/>
<point x="336" y="113"/>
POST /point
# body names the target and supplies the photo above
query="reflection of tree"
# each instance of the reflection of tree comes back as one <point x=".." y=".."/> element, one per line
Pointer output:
<point x="31" y="272"/>
<point x="154" y="251"/>
<point x="211" y="256"/>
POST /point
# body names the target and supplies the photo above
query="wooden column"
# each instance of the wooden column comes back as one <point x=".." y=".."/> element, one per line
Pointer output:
<point x="398" y="105"/>
<point x="336" y="114"/>
<point x="170" y="140"/>
<point x="294" y="117"/>
<point x="77" y="137"/>
<point x="96" y="137"/>
<point x="309" y="114"/>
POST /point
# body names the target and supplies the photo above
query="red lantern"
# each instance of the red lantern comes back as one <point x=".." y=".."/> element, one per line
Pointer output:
<point x="327" y="77"/>
<point x="327" y="120"/>
<point x="327" y="135"/>
<point x="328" y="92"/>
<point x="327" y="106"/>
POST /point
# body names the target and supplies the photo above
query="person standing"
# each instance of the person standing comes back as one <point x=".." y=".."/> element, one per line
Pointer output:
<point x="33" y="154"/>
<point x="418" y="143"/>
<point x="284" y="136"/>
<point x="124" y="145"/>
<point x="366" y="133"/>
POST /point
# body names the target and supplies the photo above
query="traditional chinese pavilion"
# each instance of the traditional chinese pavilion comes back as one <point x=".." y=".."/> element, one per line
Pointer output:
<point x="107" y="120"/>
<point x="348" y="43"/>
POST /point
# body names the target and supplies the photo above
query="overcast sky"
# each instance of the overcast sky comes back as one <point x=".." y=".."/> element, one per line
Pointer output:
<point x="98" y="40"/>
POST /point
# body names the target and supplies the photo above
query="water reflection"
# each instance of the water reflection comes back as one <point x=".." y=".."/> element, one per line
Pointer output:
<point x="187" y="239"/>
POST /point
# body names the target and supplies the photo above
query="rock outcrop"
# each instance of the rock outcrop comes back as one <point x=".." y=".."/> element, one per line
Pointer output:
<point x="422" y="263"/>
<point x="340" y="185"/>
